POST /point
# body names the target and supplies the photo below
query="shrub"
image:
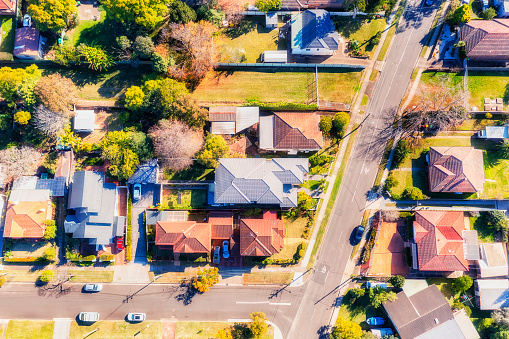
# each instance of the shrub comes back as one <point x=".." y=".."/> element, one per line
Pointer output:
<point x="50" y="232"/>
<point x="300" y="252"/>
<point x="46" y="276"/>
<point x="181" y="13"/>
<point x="94" y="161"/>
<point x="107" y="257"/>
<point x="401" y="153"/>
<point x="488" y="115"/>
<point x="22" y="117"/>
<point x="282" y="106"/>
<point x="3" y="280"/>
<point x="458" y="305"/>
<point x="489" y="14"/>
<point x="412" y="193"/>
<point x="160" y="63"/>
<point x="461" y="284"/>
<point x="326" y="125"/>
<point x="340" y="123"/>
<point x="397" y="281"/>
<point x="50" y="254"/>
<point x="88" y="258"/>
<point x="144" y="46"/>
<point x="353" y="294"/>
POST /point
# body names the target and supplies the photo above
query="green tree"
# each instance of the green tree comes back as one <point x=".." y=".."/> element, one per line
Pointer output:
<point x="402" y="151"/>
<point x="180" y="13"/>
<point x="22" y="117"/>
<point x="96" y="57"/>
<point x="346" y="329"/>
<point x="305" y="202"/>
<point x="462" y="14"/>
<point x="161" y="63"/>
<point x="67" y="55"/>
<point x="146" y="14"/>
<point x="46" y="276"/>
<point x="144" y="47"/>
<point x="268" y="5"/>
<point x="397" y="281"/>
<point x="497" y="221"/>
<point x="50" y="232"/>
<point x="134" y="97"/>
<point x="258" y="325"/>
<point x="503" y="148"/>
<point x="123" y="161"/>
<point x="326" y="125"/>
<point x="377" y="296"/>
<point x="355" y="5"/>
<point x="205" y="279"/>
<point x="461" y="284"/>
<point x="212" y="15"/>
<point x="215" y="147"/>
<point x="12" y="81"/>
<point x="353" y="294"/>
<point x="390" y="183"/>
<point x="340" y="122"/>
<point x="489" y="14"/>
<point x="51" y="14"/>
<point x="412" y="193"/>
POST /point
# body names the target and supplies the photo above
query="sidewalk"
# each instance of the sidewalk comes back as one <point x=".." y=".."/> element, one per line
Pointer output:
<point x="62" y="328"/>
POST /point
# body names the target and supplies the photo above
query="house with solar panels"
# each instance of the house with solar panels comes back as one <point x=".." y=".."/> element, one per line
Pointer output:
<point x="313" y="33"/>
<point x="258" y="181"/>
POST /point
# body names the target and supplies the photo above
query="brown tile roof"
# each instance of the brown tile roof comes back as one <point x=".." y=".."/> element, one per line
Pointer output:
<point x="25" y="219"/>
<point x="184" y="236"/>
<point x="297" y="131"/>
<point x="438" y="235"/>
<point x="7" y="7"/>
<point x="486" y="39"/>
<point x="222" y="224"/>
<point x="222" y="113"/>
<point x="261" y="237"/>
<point x="456" y="170"/>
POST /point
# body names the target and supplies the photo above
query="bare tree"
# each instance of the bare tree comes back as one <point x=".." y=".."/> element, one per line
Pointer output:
<point x="175" y="143"/>
<point x="49" y="122"/>
<point x="439" y="107"/>
<point x="390" y="215"/>
<point x="18" y="161"/>
<point x="57" y="93"/>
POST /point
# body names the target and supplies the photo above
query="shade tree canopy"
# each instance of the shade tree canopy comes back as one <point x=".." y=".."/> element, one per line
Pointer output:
<point x="57" y="93"/>
<point x="19" y="161"/>
<point x="53" y="15"/>
<point x="146" y="14"/>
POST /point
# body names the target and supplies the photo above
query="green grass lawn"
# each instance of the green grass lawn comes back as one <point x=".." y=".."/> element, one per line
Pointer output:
<point x="485" y="233"/>
<point x="240" y="86"/>
<point x="7" y="39"/>
<point x="311" y="184"/>
<point x="252" y="37"/>
<point x="360" y="29"/>
<point x="190" y="199"/>
<point x="91" y="276"/>
<point x="29" y="329"/>
<point x="287" y="252"/>
<point x="294" y="226"/>
<point x="195" y="172"/>
<point x="94" y="33"/>
<point x="268" y="278"/>
<point x="206" y="330"/>
<point x="118" y="330"/>
<point x="360" y="311"/>
<point x="444" y="285"/>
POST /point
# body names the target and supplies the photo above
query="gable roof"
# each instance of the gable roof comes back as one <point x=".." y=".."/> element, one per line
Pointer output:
<point x="421" y="313"/>
<point x="287" y="131"/>
<point x="232" y="119"/>
<point x="222" y="224"/>
<point x="261" y="237"/>
<point x="184" y="236"/>
<point x="486" y="39"/>
<point x="493" y="262"/>
<point x="25" y="219"/>
<point x="492" y="294"/>
<point x="438" y="235"/>
<point x="55" y="186"/>
<point x="146" y="173"/>
<point x="259" y="180"/>
<point x="7" y="7"/>
<point x="26" y="42"/>
<point x="314" y="29"/>
<point x="456" y="169"/>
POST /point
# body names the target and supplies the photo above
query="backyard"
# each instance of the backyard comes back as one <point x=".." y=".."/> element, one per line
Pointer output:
<point x="7" y="38"/>
<point x="271" y="86"/>
<point x="184" y="199"/>
<point x="362" y="30"/>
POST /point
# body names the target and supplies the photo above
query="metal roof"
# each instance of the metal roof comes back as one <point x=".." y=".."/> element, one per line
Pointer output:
<point x="266" y="132"/>
<point x="56" y="186"/>
<point x="314" y="29"/>
<point x="84" y="120"/>
<point x="497" y="132"/>
<point x="29" y="195"/>
<point x="222" y="127"/>
<point x="493" y="262"/>
<point x="492" y="293"/>
<point x="246" y="117"/>
<point x="471" y="245"/>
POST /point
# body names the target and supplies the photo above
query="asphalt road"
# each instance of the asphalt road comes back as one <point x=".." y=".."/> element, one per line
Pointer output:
<point x="299" y="312"/>
<point x="321" y="293"/>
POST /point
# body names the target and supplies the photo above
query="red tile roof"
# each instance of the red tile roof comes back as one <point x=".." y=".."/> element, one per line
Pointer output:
<point x="25" y="219"/>
<point x="222" y="224"/>
<point x="7" y="7"/>
<point x="297" y="131"/>
<point x="456" y="170"/>
<point x="486" y="39"/>
<point x="261" y="237"/>
<point x="184" y="236"/>
<point x="438" y="235"/>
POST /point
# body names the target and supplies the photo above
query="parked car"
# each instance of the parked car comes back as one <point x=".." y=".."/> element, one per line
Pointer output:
<point x="375" y="321"/>
<point x="226" y="249"/>
<point x="136" y="317"/>
<point x="429" y="2"/>
<point x="120" y="243"/>
<point x="217" y="256"/>
<point x="136" y="191"/>
<point x="357" y="234"/>
<point x="27" y="20"/>
<point x="92" y="288"/>
<point x="88" y="317"/>
<point x="373" y="284"/>
<point x="382" y="332"/>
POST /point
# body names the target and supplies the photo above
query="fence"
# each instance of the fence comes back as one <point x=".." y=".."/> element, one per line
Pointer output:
<point x="295" y="65"/>
<point x="254" y="12"/>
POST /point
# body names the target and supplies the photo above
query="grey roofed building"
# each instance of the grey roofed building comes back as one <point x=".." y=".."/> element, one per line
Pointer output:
<point x="84" y="120"/>
<point x="232" y="119"/>
<point x="153" y="216"/>
<point x="313" y="33"/>
<point x="29" y="195"/>
<point x="146" y="173"/>
<point x="494" y="132"/>
<point x="493" y="261"/>
<point x="424" y="315"/>
<point x="95" y="205"/>
<point x="56" y="186"/>
<point x="492" y="294"/>
<point x="259" y="180"/>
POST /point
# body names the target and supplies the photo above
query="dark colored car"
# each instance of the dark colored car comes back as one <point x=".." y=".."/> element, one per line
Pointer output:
<point x="357" y="234"/>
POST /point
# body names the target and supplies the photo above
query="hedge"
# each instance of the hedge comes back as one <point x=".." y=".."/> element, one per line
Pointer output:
<point x="282" y="106"/>
<point x="107" y="257"/>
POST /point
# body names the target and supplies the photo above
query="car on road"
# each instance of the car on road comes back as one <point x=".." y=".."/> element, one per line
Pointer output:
<point x="27" y="20"/>
<point x="136" y="191"/>
<point x="217" y="257"/>
<point x="357" y="234"/>
<point x="226" y="249"/>
<point x="92" y="287"/>
<point x="88" y="317"/>
<point x="136" y="317"/>
<point x="429" y="2"/>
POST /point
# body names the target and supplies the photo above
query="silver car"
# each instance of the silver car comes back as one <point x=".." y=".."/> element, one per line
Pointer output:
<point x="88" y="317"/>
<point x="92" y="287"/>
<point x="217" y="253"/>
<point x="136" y="317"/>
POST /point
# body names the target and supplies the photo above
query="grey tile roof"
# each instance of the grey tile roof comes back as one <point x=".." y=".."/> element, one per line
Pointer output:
<point x="146" y="173"/>
<point x="314" y="29"/>
<point x="86" y="191"/>
<point x="449" y="329"/>
<point x="258" y="180"/>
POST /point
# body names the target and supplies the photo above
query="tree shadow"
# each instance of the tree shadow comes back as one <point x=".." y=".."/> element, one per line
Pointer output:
<point x="187" y="294"/>
<point x="324" y="332"/>
<point x="347" y="27"/>
<point x="241" y="331"/>
<point x="244" y="27"/>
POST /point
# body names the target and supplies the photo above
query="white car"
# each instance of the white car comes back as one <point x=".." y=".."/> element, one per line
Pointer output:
<point x="88" y="317"/>
<point x="136" y="317"/>
<point x="27" y="20"/>
<point x="136" y="191"/>
<point x="226" y="249"/>
<point x="92" y="287"/>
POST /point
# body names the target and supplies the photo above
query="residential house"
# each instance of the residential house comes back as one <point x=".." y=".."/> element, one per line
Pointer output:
<point x="188" y="237"/>
<point x="455" y="169"/>
<point x="146" y="173"/>
<point x="232" y="119"/>
<point x="27" y="211"/>
<point x="290" y="132"/>
<point x="261" y="237"/>
<point x="94" y="203"/>
<point x="56" y="186"/>
<point x="259" y="181"/>
<point x="494" y="133"/>
<point x="313" y="33"/>
<point x="8" y="7"/>
<point x="28" y="44"/>
<point x="492" y="294"/>
<point x="427" y="314"/>
<point x="221" y="225"/>
<point x="296" y="5"/>
<point x="84" y="121"/>
<point x="152" y="216"/>
<point x="443" y="242"/>
<point x="493" y="260"/>
<point x="487" y="40"/>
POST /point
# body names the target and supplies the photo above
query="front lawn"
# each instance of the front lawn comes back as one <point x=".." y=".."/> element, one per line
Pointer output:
<point x="184" y="199"/>
<point x="207" y="329"/>
<point x="269" y="278"/>
<point x="118" y="330"/>
<point x="91" y="276"/>
<point x="359" y="311"/>
<point x="23" y="275"/>
<point x="294" y="226"/>
<point x="196" y="172"/>
<point x="28" y="329"/>
<point x="237" y="87"/>
<point x="7" y="38"/>
<point x="362" y="30"/>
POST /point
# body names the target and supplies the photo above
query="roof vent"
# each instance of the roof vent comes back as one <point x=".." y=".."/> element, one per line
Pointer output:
<point x="41" y="210"/>
<point x="436" y="321"/>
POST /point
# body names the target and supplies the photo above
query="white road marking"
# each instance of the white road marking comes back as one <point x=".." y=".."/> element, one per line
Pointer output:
<point x="281" y="304"/>
<point x="252" y="302"/>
